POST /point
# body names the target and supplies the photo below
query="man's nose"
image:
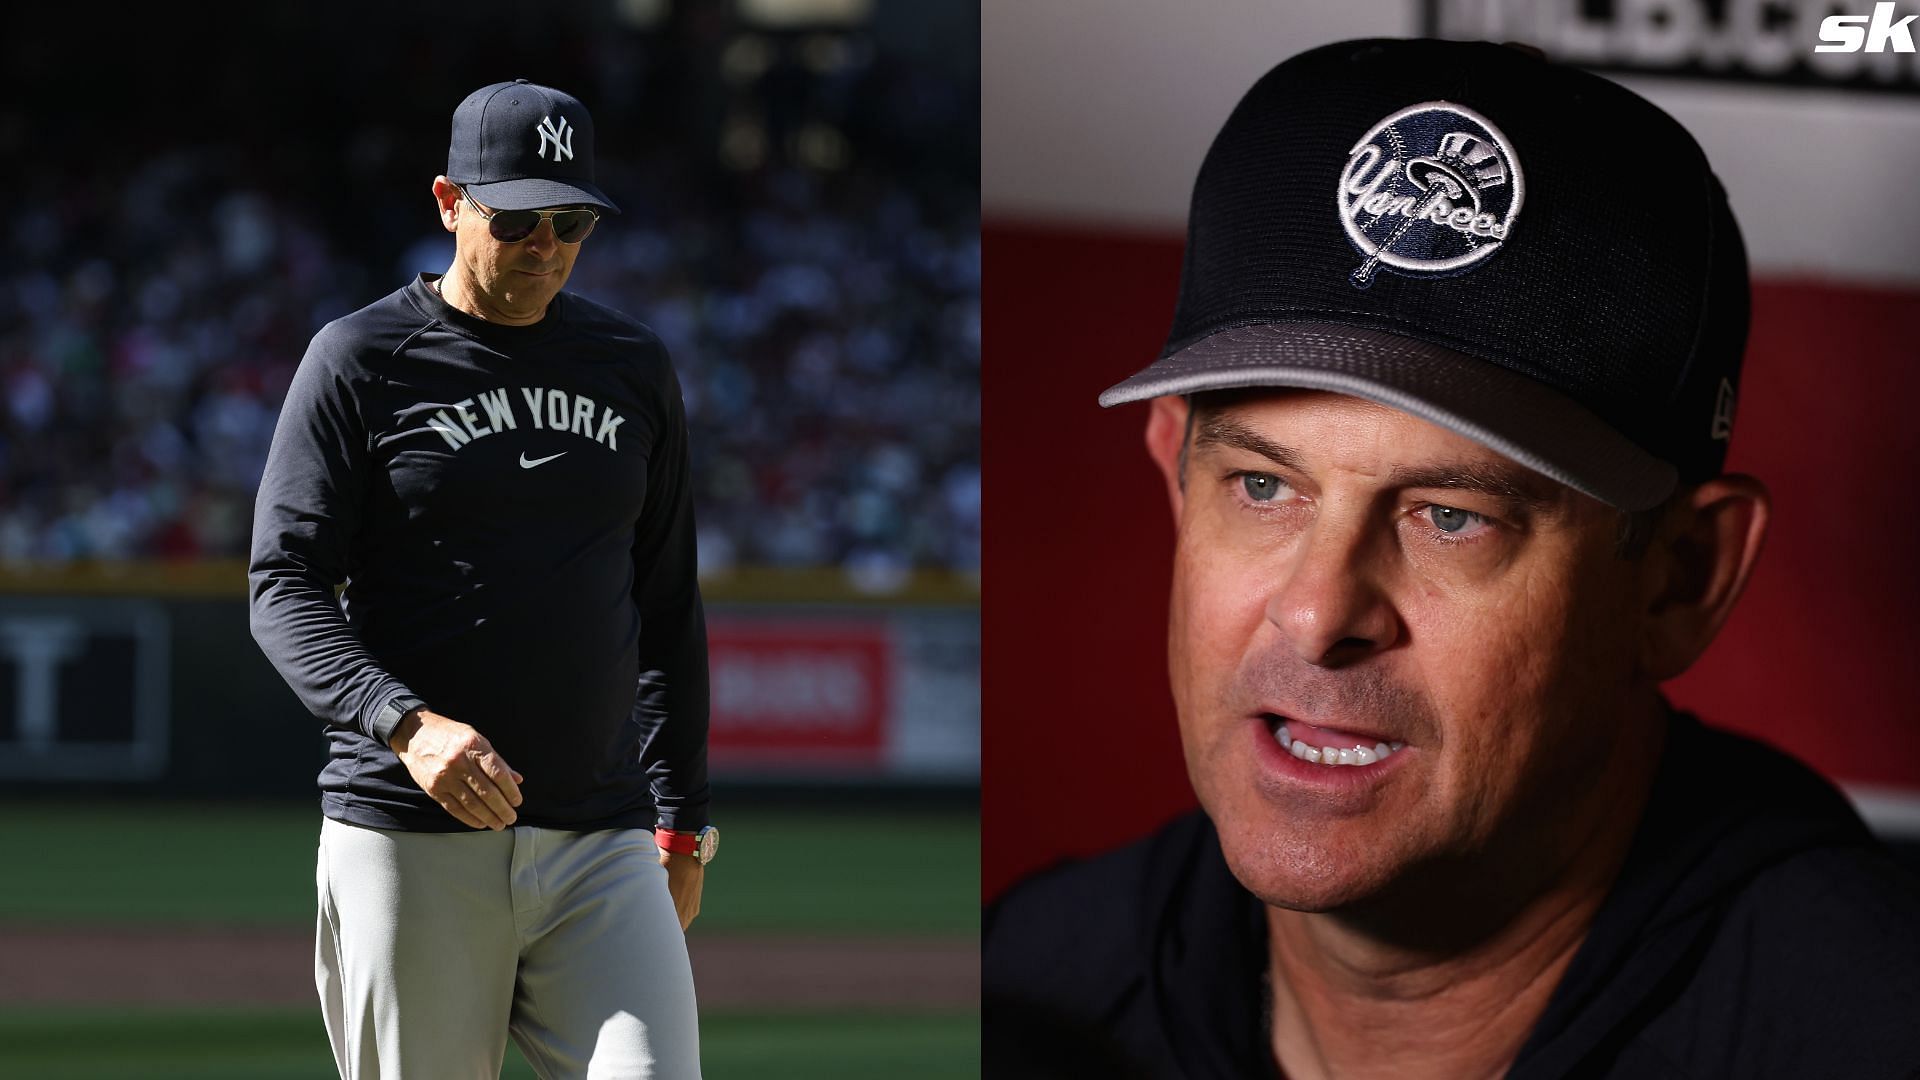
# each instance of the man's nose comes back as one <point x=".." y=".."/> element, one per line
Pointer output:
<point x="542" y="241"/>
<point x="1329" y="605"/>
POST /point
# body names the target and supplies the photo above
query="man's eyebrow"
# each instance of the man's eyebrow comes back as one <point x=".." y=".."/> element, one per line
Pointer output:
<point x="1511" y="484"/>
<point x="1218" y="429"/>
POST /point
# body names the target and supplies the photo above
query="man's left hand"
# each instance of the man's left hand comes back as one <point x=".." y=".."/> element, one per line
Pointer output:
<point x="685" y="873"/>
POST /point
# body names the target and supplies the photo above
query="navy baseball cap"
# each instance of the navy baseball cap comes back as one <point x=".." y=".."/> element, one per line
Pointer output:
<point x="1519" y="251"/>
<point x="521" y="146"/>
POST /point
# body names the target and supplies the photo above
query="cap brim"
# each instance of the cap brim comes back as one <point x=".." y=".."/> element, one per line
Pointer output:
<point x="1503" y="410"/>
<point x="538" y="194"/>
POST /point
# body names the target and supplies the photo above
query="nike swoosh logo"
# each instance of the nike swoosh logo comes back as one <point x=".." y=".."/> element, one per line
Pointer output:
<point x="525" y="464"/>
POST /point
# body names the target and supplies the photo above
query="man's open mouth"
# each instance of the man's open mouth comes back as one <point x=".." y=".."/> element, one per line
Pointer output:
<point x="1329" y="746"/>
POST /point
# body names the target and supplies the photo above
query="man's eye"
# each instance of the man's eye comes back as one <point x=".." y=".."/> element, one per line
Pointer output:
<point x="1453" y="521"/>
<point x="1261" y="487"/>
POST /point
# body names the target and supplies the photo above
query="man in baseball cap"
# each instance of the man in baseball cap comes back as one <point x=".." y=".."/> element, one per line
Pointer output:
<point x="515" y="802"/>
<point x="1442" y="418"/>
<point x="521" y="155"/>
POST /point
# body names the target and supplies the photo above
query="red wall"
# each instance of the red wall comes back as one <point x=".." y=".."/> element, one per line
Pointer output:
<point x="1079" y="749"/>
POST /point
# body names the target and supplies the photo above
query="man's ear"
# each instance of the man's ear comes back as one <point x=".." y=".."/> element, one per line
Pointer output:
<point x="448" y="196"/>
<point x="1706" y="550"/>
<point x="1167" y="443"/>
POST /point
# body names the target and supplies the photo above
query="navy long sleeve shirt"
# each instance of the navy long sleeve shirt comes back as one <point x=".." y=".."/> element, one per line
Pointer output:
<point x="510" y="508"/>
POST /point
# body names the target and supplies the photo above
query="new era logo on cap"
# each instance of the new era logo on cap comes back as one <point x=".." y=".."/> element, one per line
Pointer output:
<point x="1723" y="412"/>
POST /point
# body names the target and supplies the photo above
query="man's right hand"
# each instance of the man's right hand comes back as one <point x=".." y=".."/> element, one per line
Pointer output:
<point x="459" y="768"/>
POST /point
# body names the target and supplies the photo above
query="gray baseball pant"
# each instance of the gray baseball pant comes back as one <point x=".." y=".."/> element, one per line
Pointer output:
<point x="433" y="947"/>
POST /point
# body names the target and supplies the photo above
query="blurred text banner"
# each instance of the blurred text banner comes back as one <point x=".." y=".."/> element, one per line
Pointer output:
<point x="845" y="695"/>
<point x="789" y="694"/>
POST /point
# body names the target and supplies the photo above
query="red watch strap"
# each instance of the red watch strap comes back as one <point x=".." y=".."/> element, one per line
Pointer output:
<point x="680" y="843"/>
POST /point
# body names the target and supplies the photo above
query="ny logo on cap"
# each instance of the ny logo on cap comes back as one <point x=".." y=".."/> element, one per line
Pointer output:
<point x="561" y="137"/>
<point x="1432" y="190"/>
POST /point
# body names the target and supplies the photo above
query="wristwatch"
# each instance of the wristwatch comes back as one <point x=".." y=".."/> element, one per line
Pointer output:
<point x="702" y="844"/>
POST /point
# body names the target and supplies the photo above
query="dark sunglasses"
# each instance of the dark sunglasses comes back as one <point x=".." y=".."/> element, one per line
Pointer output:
<point x="513" y="226"/>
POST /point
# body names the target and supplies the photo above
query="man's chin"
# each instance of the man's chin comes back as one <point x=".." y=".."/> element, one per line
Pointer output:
<point x="526" y="302"/>
<point x="1307" y="874"/>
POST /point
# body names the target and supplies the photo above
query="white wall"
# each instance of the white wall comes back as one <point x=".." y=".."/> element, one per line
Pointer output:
<point x="1099" y="111"/>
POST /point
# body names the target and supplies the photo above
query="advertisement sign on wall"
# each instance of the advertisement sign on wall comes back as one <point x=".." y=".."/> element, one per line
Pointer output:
<point x="789" y="693"/>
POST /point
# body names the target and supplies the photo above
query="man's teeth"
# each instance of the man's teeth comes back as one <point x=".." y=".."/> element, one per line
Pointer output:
<point x="1327" y="755"/>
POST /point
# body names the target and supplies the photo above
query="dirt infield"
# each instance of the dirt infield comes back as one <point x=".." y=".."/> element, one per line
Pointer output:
<point x="181" y="966"/>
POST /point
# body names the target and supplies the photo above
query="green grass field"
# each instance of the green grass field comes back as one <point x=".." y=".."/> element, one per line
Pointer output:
<point x="779" y="870"/>
<point x="171" y="1044"/>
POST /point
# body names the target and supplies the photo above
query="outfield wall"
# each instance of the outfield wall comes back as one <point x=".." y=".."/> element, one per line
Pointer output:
<point x="159" y="689"/>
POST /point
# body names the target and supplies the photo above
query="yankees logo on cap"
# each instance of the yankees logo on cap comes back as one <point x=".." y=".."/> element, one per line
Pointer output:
<point x="1433" y="189"/>
<point x="560" y="135"/>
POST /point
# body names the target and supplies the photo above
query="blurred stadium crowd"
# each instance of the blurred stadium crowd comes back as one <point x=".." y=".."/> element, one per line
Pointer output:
<point x="800" y="227"/>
